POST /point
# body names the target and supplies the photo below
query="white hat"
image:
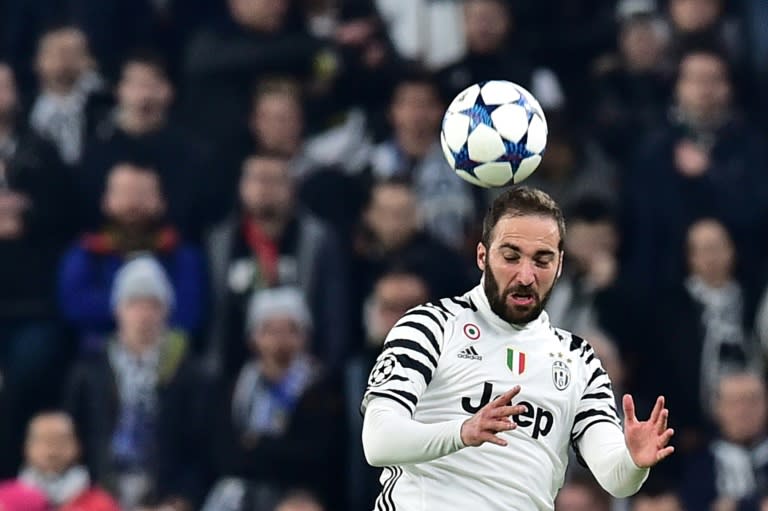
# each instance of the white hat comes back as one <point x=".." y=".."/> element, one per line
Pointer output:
<point x="142" y="277"/>
<point x="286" y="301"/>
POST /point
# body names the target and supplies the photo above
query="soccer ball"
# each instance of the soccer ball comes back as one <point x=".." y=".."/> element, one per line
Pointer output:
<point x="494" y="134"/>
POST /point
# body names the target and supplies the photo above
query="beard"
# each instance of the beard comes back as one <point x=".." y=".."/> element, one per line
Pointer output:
<point x="513" y="314"/>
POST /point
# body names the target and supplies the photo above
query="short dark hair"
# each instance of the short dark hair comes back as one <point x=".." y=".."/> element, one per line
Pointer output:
<point x="148" y="57"/>
<point x="591" y="209"/>
<point x="522" y="201"/>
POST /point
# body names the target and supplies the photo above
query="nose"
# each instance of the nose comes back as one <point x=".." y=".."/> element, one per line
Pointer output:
<point x="525" y="274"/>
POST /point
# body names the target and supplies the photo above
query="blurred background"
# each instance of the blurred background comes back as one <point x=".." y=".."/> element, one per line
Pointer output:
<point x="212" y="211"/>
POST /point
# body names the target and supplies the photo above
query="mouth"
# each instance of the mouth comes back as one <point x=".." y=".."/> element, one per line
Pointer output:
<point x="523" y="299"/>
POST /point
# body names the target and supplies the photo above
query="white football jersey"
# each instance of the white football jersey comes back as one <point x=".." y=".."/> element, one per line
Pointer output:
<point x="446" y="360"/>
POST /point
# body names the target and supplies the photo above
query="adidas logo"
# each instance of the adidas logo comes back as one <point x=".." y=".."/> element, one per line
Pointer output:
<point x="470" y="353"/>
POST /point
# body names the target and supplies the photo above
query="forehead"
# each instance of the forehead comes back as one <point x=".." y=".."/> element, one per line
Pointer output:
<point x="529" y="232"/>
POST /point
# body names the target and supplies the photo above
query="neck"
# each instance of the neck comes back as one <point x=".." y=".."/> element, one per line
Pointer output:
<point x="416" y="146"/>
<point x="137" y="124"/>
<point x="273" y="370"/>
<point x="59" y="87"/>
<point x="272" y="227"/>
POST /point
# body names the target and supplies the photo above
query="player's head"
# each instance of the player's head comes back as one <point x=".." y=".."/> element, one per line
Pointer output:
<point x="521" y="253"/>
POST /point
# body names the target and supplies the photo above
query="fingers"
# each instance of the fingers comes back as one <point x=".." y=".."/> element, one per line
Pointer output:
<point x="666" y="437"/>
<point x="493" y="439"/>
<point x="506" y="411"/>
<point x="661" y="425"/>
<point x="664" y="453"/>
<point x="657" y="408"/>
<point x="629" y="408"/>
<point x="506" y="397"/>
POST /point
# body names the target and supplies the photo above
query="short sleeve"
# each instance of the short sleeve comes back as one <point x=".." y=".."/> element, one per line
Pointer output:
<point x="408" y="358"/>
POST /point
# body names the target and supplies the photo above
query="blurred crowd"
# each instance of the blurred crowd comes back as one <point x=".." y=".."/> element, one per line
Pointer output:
<point x="212" y="212"/>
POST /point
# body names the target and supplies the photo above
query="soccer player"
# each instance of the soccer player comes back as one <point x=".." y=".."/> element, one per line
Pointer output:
<point x="474" y="400"/>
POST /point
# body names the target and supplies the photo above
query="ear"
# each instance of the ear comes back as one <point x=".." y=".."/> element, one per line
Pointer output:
<point x="481" y="254"/>
<point x="560" y="265"/>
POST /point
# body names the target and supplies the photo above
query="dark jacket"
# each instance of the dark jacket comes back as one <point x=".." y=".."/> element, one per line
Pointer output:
<point x="181" y="464"/>
<point x="310" y="454"/>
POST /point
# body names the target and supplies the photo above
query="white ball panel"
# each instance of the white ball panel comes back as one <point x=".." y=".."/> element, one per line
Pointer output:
<point x="537" y="135"/>
<point x="511" y="121"/>
<point x="526" y="167"/>
<point x="496" y="173"/>
<point x="466" y="176"/>
<point x="465" y="99"/>
<point x="484" y="144"/>
<point x="455" y="129"/>
<point x="498" y="92"/>
<point x="447" y="151"/>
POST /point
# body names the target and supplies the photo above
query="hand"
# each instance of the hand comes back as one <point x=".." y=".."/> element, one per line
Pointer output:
<point x="491" y="419"/>
<point x="647" y="440"/>
<point x="690" y="159"/>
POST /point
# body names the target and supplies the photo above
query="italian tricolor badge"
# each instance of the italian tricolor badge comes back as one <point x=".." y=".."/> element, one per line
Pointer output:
<point x="515" y="360"/>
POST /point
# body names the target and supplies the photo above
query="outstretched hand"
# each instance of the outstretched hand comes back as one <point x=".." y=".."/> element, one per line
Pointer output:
<point x="647" y="441"/>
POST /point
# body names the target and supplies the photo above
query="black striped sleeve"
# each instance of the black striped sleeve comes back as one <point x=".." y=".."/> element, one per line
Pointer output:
<point x="597" y="402"/>
<point x="408" y="359"/>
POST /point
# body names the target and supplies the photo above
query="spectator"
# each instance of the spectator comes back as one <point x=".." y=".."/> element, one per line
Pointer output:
<point x="36" y="199"/>
<point x="223" y="61"/>
<point x="414" y="153"/>
<point x="706" y="162"/>
<point x="141" y="128"/>
<point x="699" y="331"/>
<point x="390" y="234"/>
<point x="299" y="501"/>
<point x="51" y="466"/>
<point x="656" y="497"/>
<point x="135" y="207"/>
<point x="493" y="52"/>
<point x="279" y="424"/>
<point x="268" y="240"/>
<point x="588" y="293"/>
<point x="582" y="493"/>
<point x="731" y="472"/>
<point x="72" y="95"/>
<point x="139" y="405"/>
<point x="633" y="85"/>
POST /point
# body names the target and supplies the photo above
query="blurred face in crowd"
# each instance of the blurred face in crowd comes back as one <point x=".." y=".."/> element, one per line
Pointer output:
<point x="703" y="87"/>
<point x="133" y="197"/>
<point x="393" y="295"/>
<point x="8" y="94"/>
<point x="62" y="57"/>
<point x="585" y="238"/>
<point x="642" y="43"/>
<point x="277" y="122"/>
<point x="140" y="322"/>
<point x="741" y="408"/>
<point x="299" y="504"/>
<point x="392" y="215"/>
<point x="663" y="502"/>
<point x="694" y="15"/>
<point x="51" y="446"/>
<point x="487" y="24"/>
<point x="710" y="252"/>
<point x="144" y="94"/>
<point x="260" y="15"/>
<point x="266" y="188"/>
<point x="577" y="497"/>
<point x="520" y="266"/>
<point x="416" y="113"/>
<point x="278" y="340"/>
